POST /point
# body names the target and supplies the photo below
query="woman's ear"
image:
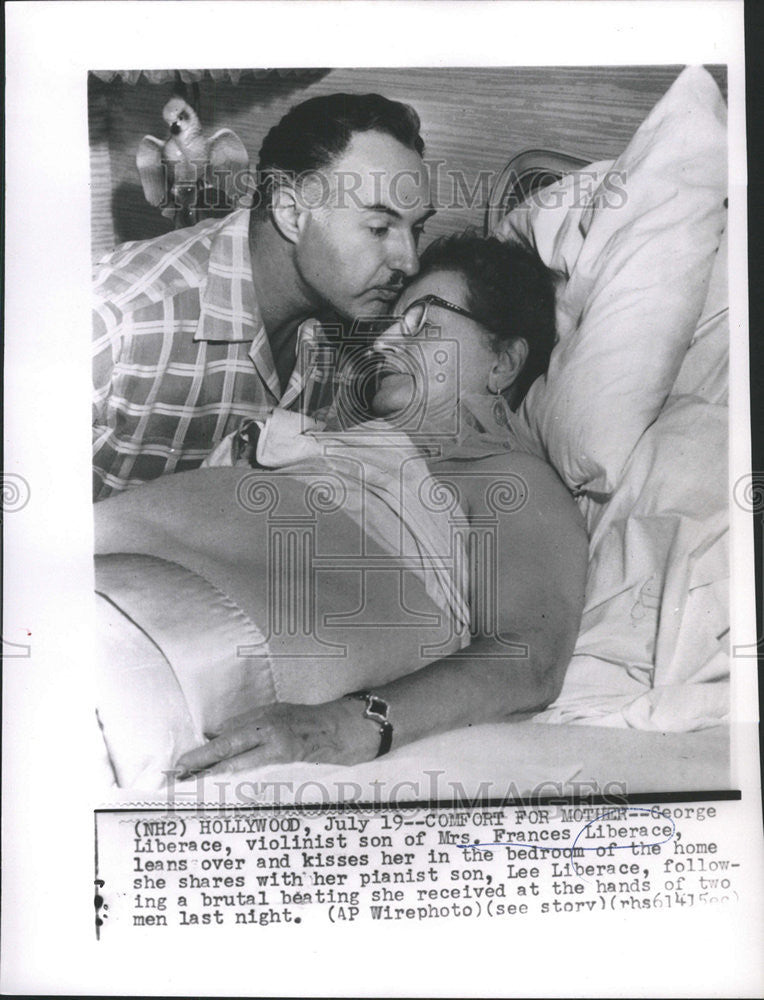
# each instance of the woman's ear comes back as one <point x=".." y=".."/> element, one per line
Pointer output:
<point x="508" y="365"/>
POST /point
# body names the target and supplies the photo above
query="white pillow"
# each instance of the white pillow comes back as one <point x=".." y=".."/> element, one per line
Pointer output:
<point x="634" y="260"/>
<point x="705" y="367"/>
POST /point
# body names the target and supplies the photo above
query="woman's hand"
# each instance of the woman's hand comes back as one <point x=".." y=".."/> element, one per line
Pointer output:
<point x="334" y="732"/>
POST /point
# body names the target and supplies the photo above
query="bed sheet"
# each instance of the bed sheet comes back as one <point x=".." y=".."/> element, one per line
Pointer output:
<point x="481" y="763"/>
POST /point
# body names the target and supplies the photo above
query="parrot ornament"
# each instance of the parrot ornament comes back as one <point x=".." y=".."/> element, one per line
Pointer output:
<point x="189" y="174"/>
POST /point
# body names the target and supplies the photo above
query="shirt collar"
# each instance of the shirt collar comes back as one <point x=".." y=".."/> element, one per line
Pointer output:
<point x="229" y="310"/>
<point x="309" y="358"/>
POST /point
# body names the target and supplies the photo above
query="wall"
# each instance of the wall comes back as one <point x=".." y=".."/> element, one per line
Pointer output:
<point x="473" y="119"/>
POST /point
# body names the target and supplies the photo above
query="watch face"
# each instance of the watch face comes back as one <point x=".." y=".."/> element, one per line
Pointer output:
<point x="377" y="706"/>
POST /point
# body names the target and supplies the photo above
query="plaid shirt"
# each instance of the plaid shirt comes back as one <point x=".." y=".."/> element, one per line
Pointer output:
<point x="181" y="355"/>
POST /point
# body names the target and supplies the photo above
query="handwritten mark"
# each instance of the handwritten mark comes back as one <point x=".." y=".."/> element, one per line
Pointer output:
<point x="574" y="847"/>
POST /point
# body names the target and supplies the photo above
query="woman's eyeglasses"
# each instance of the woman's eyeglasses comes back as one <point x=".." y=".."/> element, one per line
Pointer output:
<point x="415" y="318"/>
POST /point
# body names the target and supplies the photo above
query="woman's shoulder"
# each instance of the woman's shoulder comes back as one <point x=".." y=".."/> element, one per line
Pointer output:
<point x="525" y="476"/>
<point x="507" y="462"/>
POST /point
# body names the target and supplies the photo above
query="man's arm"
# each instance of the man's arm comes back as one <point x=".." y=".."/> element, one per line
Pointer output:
<point x="106" y="341"/>
<point x="541" y="560"/>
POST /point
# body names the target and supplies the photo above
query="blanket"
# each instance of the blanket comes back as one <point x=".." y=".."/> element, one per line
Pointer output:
<point x="232" y="587"/>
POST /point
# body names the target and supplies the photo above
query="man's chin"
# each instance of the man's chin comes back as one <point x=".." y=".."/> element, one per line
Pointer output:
<point x="374" y="309"/>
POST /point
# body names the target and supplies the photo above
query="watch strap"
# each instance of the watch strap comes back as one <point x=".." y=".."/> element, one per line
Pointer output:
<point x="378" y="711"/>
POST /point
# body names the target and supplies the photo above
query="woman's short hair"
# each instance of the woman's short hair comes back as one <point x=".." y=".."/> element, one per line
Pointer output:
<point x="510" y="291"/>
<point x="314" y="133"/>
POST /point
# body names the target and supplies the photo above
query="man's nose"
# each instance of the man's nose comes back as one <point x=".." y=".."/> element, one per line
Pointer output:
<point x="403" y="256"/>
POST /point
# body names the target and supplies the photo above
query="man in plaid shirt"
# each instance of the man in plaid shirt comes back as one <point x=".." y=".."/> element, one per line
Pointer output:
<point x="203" y="328"/>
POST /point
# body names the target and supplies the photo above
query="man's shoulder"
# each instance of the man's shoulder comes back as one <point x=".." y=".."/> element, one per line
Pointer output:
<point x="147" y="271"/>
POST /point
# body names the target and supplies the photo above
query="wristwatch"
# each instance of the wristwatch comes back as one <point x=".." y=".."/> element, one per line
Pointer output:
<point x="378" y="711"/>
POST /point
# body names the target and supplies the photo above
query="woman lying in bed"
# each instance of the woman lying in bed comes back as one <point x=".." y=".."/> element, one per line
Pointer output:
<point x="412" y="556"/>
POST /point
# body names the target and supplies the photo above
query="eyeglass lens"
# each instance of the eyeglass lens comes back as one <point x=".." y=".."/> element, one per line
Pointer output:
<point x="414" y="318"/>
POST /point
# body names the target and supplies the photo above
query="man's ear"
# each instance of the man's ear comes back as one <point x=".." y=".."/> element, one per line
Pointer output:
<point x="287" y="212"/>
<point x="508" y="365"/>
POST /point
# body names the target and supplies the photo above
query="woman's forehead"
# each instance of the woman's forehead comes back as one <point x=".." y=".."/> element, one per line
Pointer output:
<point x="448" y="285"/>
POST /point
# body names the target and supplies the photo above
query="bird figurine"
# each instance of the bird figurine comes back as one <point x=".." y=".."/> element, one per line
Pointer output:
<point x="188" y="174"/>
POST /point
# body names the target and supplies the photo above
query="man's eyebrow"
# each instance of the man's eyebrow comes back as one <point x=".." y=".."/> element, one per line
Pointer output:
<point x="383" y="209"/>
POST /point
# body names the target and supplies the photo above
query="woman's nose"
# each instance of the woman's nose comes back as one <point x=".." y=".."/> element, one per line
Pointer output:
<point x="388" y="337"/>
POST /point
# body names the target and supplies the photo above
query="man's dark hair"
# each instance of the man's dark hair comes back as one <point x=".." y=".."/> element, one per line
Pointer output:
<point x="312" y="134"/>
<point x="510" y="291"/>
